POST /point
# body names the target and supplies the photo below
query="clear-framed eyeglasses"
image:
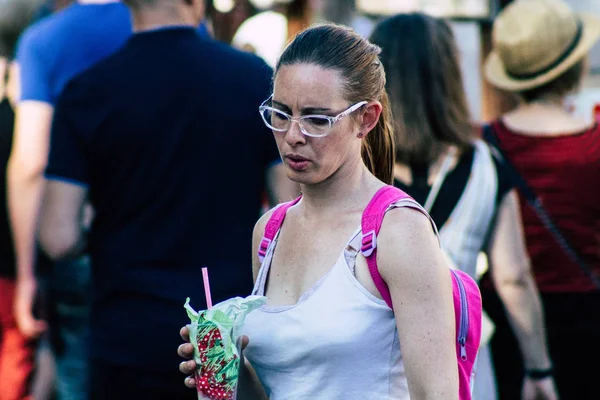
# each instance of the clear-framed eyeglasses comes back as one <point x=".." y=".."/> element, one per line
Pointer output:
<point x="310" y="125"/>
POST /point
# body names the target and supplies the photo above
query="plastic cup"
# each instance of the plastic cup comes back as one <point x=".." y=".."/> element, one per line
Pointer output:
<point x="219" y="360"/>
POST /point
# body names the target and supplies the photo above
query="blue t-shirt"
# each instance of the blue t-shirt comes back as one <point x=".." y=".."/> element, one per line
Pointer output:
<point x="58" y="47"/>
<point x="167" y="136"/>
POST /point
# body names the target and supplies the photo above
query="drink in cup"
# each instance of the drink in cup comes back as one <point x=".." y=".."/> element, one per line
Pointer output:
<point x="216" y="334"/>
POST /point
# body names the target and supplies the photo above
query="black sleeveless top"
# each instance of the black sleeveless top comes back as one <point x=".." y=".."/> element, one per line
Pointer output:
<point x="452" y="188"/>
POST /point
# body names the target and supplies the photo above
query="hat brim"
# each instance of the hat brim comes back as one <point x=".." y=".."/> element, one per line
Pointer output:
<point x="496" y="74"/>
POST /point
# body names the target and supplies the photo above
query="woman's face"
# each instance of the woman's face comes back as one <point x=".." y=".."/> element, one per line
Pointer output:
<point x="307" y="89"/>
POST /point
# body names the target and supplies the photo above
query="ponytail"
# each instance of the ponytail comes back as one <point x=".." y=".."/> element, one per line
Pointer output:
<point x="379" y="146"/>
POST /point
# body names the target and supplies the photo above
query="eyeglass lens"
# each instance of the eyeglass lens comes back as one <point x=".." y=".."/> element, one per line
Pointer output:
<point x="313" y="125"/>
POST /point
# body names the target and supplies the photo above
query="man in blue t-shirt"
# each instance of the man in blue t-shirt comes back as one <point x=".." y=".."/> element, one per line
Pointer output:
<point x="165" y="140"/>
<point x="49" y="54"/>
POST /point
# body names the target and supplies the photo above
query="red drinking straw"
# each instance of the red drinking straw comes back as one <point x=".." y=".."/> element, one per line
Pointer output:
<point x="206" y="287"/>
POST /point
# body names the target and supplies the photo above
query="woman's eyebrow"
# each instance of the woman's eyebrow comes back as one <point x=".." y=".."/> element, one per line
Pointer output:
<point x="281" y="106"/>
<point x="305" y="111"/>
<point x="315" y="110"/>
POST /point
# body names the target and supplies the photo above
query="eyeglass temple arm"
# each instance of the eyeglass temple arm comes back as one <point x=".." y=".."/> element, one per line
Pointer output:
<point x="350" y="110"/>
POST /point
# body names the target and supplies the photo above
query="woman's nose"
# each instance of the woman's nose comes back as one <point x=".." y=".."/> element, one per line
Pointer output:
<point x="294" y="135"/>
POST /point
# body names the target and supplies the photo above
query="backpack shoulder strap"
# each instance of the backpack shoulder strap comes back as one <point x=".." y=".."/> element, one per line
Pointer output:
<point x="372" y="219"/>
<point x="273" y="226"/>
<point x="489" y="135"/>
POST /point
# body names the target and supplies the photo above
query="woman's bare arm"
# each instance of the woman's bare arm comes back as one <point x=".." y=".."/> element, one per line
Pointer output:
<point x="412" y="264"/>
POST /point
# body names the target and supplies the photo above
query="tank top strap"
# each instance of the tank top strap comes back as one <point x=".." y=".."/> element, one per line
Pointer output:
<point x="265" y="266"/>
<point x="349" y="252"/>
<point x="355" y="242"/>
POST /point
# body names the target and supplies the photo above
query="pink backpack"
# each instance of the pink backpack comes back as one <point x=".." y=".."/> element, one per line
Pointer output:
<point x="467" y="297"/>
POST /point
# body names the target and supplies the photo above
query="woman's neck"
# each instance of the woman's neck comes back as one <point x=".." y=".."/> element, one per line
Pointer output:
<point x="347" y="189"/>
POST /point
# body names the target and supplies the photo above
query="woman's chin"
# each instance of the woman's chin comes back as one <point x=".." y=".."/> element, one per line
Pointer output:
<point x="302" y="177"/>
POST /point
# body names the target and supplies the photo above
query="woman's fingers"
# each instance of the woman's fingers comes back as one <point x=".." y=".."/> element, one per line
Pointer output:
<point x="187" y="367"/>
<point x="245" y="341"/>
<point x="185" y="333"/>
<point x="185" y="350"/>
<point x="190" y="382"/>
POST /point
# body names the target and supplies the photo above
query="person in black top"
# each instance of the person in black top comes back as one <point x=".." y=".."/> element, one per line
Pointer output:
<point x="442" y="164"/>
<point x="164" y="140"/>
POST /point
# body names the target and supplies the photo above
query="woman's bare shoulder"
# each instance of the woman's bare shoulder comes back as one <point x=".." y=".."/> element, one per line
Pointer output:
<point x="407" y="240"/>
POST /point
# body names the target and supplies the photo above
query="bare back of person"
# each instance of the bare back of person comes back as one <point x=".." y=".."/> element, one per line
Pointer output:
<point x="544" y="119"/>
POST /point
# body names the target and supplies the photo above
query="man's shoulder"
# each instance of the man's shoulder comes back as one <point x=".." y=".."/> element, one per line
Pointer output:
<point x="38" y="33"/>
<point x="90" y="80"/>
<point x="52" y="31"/>
<point x="48" y="26"/>
<point x="223" y="54"/>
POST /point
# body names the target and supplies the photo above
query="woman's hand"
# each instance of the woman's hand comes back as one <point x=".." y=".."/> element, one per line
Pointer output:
<point x="186" y="350"/>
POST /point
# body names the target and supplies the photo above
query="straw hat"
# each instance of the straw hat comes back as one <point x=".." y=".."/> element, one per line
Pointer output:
<point x="535" y="41"/>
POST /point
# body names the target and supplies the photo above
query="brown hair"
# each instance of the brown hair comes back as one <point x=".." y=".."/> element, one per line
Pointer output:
<point x="339" y="48"/>
<point x="425" y="86"/>
<point x="559" y="86"/>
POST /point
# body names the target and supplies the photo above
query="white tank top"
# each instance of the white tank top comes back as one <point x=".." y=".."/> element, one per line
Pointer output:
<point x="466" y="230"/>
<point x="338" y="342"/>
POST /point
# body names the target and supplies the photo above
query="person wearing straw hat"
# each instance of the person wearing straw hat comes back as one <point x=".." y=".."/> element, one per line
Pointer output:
<point x="540" y="51"/>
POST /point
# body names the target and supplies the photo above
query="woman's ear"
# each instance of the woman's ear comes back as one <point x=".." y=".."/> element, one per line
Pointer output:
<point x="369" y="118"/>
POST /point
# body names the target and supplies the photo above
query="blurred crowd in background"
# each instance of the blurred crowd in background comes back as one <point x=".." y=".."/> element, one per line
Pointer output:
<point x="449" y="81"/>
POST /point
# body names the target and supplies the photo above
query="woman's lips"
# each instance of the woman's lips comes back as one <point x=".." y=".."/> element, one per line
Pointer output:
<point x="297" y="163"/>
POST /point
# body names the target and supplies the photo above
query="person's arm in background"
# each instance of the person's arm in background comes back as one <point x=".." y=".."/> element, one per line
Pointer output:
<point x="29" y="154"/>
<point x="515" y="284"/>
<point x="61" y="220"/>
<point x="63" y="208"/>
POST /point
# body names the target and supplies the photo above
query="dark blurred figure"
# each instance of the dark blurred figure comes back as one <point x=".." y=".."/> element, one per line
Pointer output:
<point x="267" y="32"/>
<point x="444" y="166"/>
<point x="540" y="53"/>
<point x="17" y="351"/>
<point x="163" y="138"/>
<point x="49" y="54"/>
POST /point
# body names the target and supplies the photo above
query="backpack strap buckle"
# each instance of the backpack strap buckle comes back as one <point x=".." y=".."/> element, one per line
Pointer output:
<point x="369" y="243"/>
<point x="262" y="249"/>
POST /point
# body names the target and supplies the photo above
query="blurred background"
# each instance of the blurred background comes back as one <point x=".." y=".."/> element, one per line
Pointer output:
<point x="264" y="26"/>
<point x="470" y="19"/>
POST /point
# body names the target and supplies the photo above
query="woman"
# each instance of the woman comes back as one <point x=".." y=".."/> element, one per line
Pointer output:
<point x="558" y="155"/>
<point x="315" y="338"/>
<point x="443" y="166"/>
